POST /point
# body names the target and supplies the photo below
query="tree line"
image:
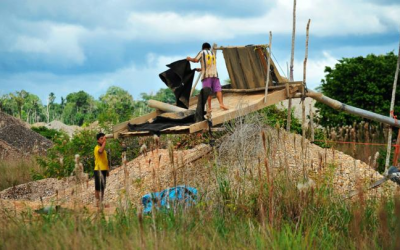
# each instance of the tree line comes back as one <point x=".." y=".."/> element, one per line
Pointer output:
<point x="80" y="108"/>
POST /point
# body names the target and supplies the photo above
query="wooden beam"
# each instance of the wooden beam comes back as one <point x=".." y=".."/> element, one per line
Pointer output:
<point x="273" y="98"/>
<point x="198" y="126"/>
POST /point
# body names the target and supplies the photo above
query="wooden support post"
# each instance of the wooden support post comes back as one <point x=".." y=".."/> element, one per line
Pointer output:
<point x="311" y="123"/>
<point x="269" y="66"/>
<point x="389" y="145"/>
<point x="194" y="87"/>
<point x="289" y="115"/>
<point x="397" y="150"/>
<point x="303" y="126"/>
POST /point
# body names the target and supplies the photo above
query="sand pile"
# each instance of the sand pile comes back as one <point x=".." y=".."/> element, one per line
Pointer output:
<point x="60" y="126"/>
<point x="194" y="167"/>
<point x="17" y="137"/>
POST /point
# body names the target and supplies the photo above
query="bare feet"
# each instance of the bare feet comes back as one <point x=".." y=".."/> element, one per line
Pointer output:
<point x="222" y="106"/>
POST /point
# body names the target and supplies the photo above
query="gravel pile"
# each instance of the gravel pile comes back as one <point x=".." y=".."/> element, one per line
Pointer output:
<point x="17" y="135"/>
<point x="35" y="190"/>
<point x="8" y="152"/>
<point x="154" y="172"/>
<point x="60" y="126"/>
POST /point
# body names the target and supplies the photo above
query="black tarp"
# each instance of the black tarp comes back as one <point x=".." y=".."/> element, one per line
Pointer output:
<point x="179" y="78"/>
<point x="187" y="118"/>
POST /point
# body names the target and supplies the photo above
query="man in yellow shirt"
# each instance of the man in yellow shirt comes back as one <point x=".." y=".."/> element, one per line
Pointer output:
<point x="101" y="168"/>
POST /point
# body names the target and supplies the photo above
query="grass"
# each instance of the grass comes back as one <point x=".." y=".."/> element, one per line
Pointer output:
<point x="17" y="171"/>
<point x="251" y="207"/>
<point x="302" y="221"/>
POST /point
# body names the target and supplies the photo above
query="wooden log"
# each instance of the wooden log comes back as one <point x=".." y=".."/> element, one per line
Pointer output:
<point x="164" y="106"/>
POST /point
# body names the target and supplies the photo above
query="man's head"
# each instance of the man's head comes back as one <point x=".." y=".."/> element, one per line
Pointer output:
<point x="206" y="46"/>
<point x="100" y="137"/>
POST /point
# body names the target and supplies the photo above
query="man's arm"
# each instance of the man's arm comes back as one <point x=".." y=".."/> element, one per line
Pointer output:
<point x="101" y="149"/>
<point x="192" y="59"/>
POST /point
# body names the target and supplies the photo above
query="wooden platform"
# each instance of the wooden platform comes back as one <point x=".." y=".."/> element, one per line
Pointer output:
<point x="239" y="104"/>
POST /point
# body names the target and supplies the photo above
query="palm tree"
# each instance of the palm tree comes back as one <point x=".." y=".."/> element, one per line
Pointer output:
<point x="50" y="101"/>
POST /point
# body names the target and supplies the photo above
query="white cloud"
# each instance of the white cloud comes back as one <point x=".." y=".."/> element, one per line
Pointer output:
<point x="314" y="69"/>
<point x="336" y="18"/>
<point x="59" y="42"/>
<point x="136" y="79"/>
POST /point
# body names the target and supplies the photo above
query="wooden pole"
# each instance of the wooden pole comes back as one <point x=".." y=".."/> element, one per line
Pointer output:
<point x="194" y="87"/>
<point x="269" y="65"/>
<point x="396" y="152"/>
<point x="311" y="123"/>
<point x="289" y="110"/>
<point x="389" y="145"/>
<point x="303" y="106"/>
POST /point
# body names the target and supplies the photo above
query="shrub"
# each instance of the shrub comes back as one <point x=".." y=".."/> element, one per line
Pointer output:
<point x="49" y="133"/>
<point x="59" y="161"/>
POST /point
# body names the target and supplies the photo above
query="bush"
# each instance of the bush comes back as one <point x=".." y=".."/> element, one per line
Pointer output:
<point x="275" y="117"/>
<point x="49" y="133"/>
<point x="59" y="161"/>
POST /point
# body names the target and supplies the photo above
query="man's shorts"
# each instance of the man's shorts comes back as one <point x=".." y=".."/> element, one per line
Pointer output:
<point x="212" y="83"/>
<point x="98" y="183"/>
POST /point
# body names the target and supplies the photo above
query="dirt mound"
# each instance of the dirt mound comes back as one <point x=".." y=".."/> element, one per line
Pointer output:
<point x="60" y="126"/>
<point x="35" y="190"/>
<point x="18" y="136"/>
<point x="155" y="171"/>
<point x="8" y="152"/>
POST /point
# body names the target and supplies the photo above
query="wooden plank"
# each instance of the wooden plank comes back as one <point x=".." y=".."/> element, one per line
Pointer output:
<point x="263" y="61"/>
<point x="273" y="98"/>
<point x="238" y="70"/>
<point x="245" y="63"/>
<point x="280" y="86"/>
<point x="256" y="68"/>
<point x="229" y="66"/>
<point x="232" y="47"/>
<point x="198" y="127"/>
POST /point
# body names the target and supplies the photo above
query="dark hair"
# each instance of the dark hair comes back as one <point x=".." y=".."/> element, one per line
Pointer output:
<point x="100" y="135"/>
<point x="206" y="46"/>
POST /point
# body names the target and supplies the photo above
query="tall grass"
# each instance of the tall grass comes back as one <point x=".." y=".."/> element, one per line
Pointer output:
<point x="301" y="221"/>
<point x="17" y="171"/>
<point x="251" y="203"/>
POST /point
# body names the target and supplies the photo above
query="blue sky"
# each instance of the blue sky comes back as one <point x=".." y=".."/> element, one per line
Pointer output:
<point x="66" y="46"/>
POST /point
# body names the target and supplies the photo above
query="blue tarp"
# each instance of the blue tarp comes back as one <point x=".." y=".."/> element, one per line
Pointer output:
<point x="179" y="195"/>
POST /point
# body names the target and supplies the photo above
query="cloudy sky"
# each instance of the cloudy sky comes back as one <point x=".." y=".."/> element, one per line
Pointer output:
<point x="66" y="46"/>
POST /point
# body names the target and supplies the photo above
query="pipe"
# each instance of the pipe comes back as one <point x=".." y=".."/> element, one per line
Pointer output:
<point x="352" y="110"/>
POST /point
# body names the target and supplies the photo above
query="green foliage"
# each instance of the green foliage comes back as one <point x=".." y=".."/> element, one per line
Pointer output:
<point x="115" y="106"/>
<point x="49" y="133"/>
<point x="381" y="161"/>
<point x="276" y="117"/>
<point x="163" y="95"/>
<point x="59" y="161"/>
<point x="79" y="108"/>
<point x="363" y="82"/>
